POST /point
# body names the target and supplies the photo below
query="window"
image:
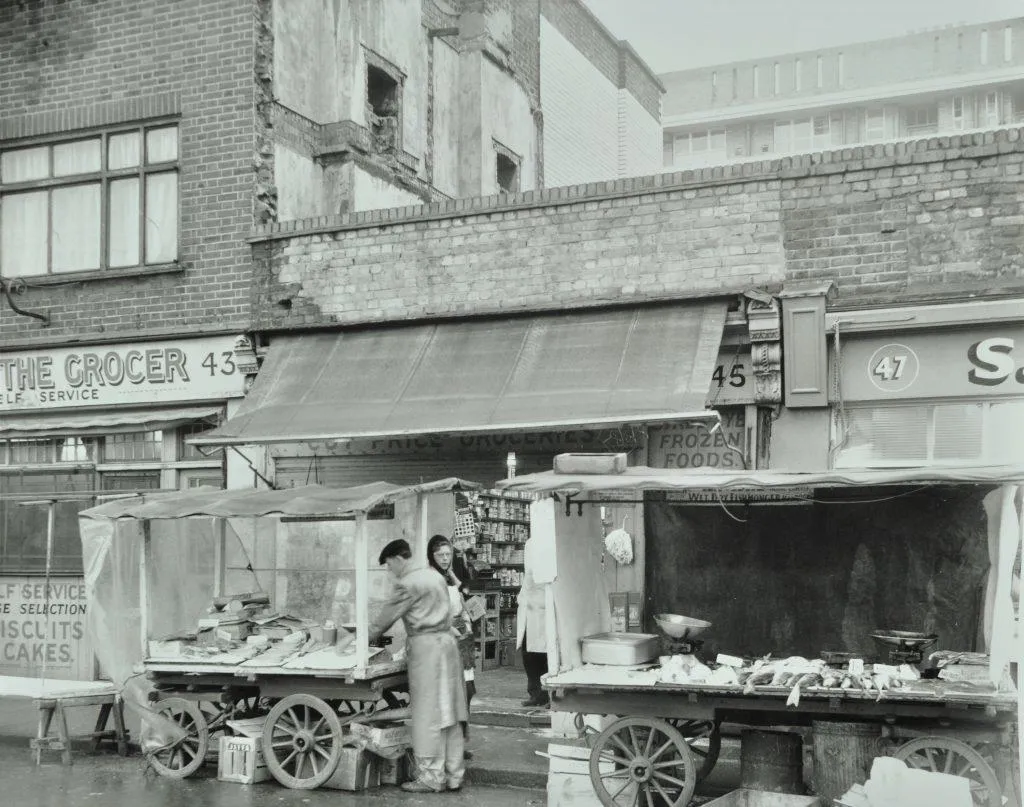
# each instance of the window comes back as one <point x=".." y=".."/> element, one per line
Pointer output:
<point x="506" y="168"/>
<point x="798" y="75"/>
<point x="984" y="46"/>
<point x="930" y="434"/>
<point x="132" y="447"/>
<point x="1007" y="44"/>
<point x="958" y="113"/>
<point x="1017" y="107"/>
<point x="757" y="81"/>
<point x="714" y="85"/>
<point x="776" y="79"/>
<point x="841" y="70"/>
<point x="384" y="83"/>
<point x="876" y="125"/>
<point x="990" y="109"/>
<point x="924" y="119"/>
<point x="735" y="83"/>
<point x="34" y="468"/>
<point x="108" y="201"/>
<point x="794" y="136"/>
<point x="698" y="149"/>
<point x="821" y="72"/>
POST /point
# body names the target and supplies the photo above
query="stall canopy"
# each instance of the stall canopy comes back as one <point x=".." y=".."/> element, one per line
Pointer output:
<point x="310" y="501"/>
<point x="104" y="422"/>
<point x="643" y="478"/>
<point x="523" y="373"/>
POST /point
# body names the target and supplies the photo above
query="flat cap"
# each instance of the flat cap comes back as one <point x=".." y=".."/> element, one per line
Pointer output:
<point x="397" y="548"/>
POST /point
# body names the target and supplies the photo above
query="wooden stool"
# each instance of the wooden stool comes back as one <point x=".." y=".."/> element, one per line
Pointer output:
<point x="50" y="708"/>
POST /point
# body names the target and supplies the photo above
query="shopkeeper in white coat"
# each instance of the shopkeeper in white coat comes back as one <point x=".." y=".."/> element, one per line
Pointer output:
<point x="531" y="633"/>
<point x="436" y="693"/>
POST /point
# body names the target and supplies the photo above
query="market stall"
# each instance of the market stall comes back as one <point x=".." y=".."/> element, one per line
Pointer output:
<point x="254" y="605"/>
<point x="665" y="697"/>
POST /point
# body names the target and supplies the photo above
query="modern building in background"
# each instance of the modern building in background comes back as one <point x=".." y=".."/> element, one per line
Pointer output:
<point x="934" y="82"/>
<point x="141" y="143"/>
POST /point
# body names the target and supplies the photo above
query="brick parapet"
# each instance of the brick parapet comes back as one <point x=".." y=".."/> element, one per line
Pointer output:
<point x="840" y="163"/>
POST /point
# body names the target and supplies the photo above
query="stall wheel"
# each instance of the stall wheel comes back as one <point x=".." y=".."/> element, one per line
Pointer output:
<point x="949" y="755"/>
<point x="705" y="740"/>
<point x="302" y="741"/>
<point x="184" y="757"/>
<point x="642" y="761"/>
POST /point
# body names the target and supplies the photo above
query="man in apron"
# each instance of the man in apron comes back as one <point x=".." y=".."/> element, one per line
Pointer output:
<point x="437" y="698"/>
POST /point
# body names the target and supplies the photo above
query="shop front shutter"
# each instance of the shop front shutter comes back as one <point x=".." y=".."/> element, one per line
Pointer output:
<point x="342" y="472"/>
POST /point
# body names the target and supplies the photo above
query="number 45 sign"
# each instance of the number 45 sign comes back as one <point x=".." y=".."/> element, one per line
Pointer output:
<point x="893" y="367"/>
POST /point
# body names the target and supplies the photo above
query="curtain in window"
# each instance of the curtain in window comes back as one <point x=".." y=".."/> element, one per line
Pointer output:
<point x="25" y="165"/>
<point x="124" y="222"/>
<point x="161" y="218"/>
<point x="23" y="234"/>
<point x="75" y="228"/>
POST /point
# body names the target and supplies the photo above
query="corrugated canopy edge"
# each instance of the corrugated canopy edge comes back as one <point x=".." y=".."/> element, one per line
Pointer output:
<point x="309" y="501"/>
<point x="517" y="373"/>
<point x="644" y="478"/>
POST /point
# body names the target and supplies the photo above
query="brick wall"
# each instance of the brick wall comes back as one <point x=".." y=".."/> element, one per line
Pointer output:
<point x="581" y="122"/>
<point x="933" y="219"/>
<point x="79" y="63"/>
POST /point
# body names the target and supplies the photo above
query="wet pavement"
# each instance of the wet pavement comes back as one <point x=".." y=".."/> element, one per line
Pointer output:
<point x="106" y="780"/>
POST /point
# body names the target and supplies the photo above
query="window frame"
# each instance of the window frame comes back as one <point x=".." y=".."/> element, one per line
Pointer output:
<point x="103" y="179"/>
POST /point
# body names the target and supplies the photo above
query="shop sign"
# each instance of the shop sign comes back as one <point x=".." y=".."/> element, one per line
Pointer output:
<point x="44" y="629"/>
<point x="987" y="362"/>
<point x="782" y="495"/>
<point x="120" y="375"/>
<point x="691" y="444"/>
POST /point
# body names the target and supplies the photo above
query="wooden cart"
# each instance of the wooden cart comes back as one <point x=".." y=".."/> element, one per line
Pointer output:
<point x="667" y="736"/>
<point x="303" y="702"/>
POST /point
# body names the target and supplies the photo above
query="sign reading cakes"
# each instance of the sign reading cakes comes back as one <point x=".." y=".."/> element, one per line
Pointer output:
<point x="119" y="375"/>
<point x="40" y="627"/>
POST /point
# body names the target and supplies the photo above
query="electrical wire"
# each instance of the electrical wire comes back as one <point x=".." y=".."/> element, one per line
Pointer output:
<point x="718" y="495"/>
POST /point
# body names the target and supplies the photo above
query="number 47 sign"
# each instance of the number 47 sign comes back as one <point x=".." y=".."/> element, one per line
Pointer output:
<point x="893" y="367"/>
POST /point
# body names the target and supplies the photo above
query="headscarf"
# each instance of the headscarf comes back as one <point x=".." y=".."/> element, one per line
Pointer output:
<point x="435" y="543"/>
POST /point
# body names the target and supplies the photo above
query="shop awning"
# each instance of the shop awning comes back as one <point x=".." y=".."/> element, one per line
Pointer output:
<point x="310" y="501"/>
<point x="523" y="373"/>
<point x="108" y="421"/>
<point x="640" y="478"/>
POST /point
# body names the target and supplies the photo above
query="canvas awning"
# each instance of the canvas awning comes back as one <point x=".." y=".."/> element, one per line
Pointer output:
<point x="310" y="501"/>
<point x="522" y="373"/>
<point x="641" y="478"/>
<point x="108" y="421"/>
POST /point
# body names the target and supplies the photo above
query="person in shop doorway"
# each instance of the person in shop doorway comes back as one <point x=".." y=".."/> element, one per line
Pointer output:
<point x="436" y="692"/>
<point x="531" y="633"/>
<point x="441" y="556"/>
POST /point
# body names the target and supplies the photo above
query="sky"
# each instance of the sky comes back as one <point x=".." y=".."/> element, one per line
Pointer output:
<point x="680" y="34"/>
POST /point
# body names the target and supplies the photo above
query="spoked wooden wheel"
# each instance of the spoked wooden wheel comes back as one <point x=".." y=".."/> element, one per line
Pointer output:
<point x="184" y="757"/>
<point x="643" y="762"/>
<point x="705" y="740"/>
<point x="302" y="741"/>
<point x="949" y="755"/>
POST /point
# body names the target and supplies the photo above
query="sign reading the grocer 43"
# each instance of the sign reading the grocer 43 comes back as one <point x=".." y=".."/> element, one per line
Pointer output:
<point x="987" y="362"/>
<point x="112" y="375"/>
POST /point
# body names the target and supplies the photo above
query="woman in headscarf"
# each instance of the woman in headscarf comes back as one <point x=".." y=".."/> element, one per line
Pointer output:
<point x="441" y="557"/>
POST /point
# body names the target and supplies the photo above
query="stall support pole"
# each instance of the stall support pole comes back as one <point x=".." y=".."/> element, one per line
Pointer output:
<point x="51" y="511"/>
<point x="218" y="558"/>
<point x="144" y="590"/>
<point x="362" y="594"/>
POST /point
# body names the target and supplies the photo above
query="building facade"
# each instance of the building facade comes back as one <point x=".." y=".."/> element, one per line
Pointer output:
<point x="140" y="145"/>
<point x="936" y="82"/>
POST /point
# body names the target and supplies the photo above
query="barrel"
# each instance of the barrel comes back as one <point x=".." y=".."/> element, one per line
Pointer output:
<point x="843" y="753"/>
<point x="772" y="761"/>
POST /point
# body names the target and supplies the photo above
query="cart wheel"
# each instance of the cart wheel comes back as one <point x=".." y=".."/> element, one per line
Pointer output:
<point x="642" y="761"/>
<point x="705" y="740"/>
<point x="949" y="755"/>
<point x="302" y="741"/>
<point x="186" y="756"/>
